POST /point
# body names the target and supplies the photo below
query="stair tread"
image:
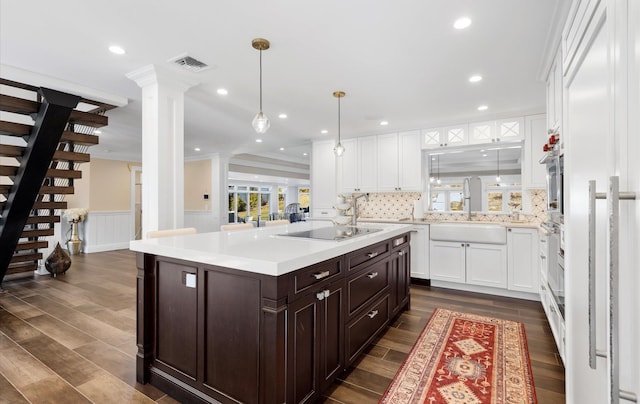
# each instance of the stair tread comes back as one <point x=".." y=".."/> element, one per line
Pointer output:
<point x="37" y="233"/>
<point x="43" y="219"/>
<point x="22" y="267"/>
<point x="25" y="257"/>
<point x="31" y="245"/>
<point x="12" y="171"/>
<point x="28" y="107"/>
<point x="21" y="129"/>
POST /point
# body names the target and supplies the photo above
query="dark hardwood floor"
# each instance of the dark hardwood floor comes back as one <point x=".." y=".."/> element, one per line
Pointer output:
<point x="72" y="339"/>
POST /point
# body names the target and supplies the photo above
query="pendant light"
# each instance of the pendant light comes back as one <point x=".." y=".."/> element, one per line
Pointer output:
<point x="260" y="123"/>
<point x="438" y="181"/>
<point x="498" y="174"/>
<point x="339" y="149"/>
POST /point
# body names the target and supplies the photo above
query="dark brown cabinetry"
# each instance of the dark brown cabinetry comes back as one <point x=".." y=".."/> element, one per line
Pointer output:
<point x="207" y="332"/>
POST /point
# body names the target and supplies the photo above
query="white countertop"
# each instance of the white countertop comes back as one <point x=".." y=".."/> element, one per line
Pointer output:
<point x="262" y="250"/>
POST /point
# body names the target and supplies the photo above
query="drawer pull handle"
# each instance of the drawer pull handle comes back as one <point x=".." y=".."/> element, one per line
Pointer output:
<point x="372" y="314"/>
<point x="321" y="275"/>
<point x="372" y="275"/>
<point x="320" y="295"/>
<point x="373" y="254"/>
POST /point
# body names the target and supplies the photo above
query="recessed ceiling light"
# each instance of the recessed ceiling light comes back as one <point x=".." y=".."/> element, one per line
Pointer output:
<point x="304" y="154"/>
<point x="197" y="149"/>
<point x="462" y="23"/>
<point x="97" y="132"/>
<point x="282" y="149"/>
<point x="484" y="155"/>
<point x="384" y="123"/>
<point x="483" y="108"/>
<point x="282" y="116"/>
<point x="258" y="140"/>
<point x="118" y="50"/>
<point x="222" y="91"/>
<point x="475" y="79"/>
<point x="324" y="131"/>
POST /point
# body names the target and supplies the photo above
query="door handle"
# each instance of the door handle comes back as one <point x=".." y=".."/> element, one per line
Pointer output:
<point x="613" y="197"/>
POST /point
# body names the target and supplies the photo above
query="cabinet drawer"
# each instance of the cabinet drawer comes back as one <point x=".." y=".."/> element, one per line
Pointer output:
<point x="365" y="285"/>
<point x="361" y="331"/>
<point x="367" y="254"/>
<point x="400" y="241"/>
<point x="315" y="275"/>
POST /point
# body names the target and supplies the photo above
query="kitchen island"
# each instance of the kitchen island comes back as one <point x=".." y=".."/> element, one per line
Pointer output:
<point x="259" y="316"/>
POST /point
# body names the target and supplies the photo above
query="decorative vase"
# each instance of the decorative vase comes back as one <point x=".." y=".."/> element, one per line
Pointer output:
<point x="74" y="244"/>
<point x="58" y="261"/>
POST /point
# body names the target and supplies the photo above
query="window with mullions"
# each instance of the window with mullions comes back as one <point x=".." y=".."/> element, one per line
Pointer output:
<point x="247" y="203"/>
<point x="447" y="197"/>
<point x="505" y="196"/>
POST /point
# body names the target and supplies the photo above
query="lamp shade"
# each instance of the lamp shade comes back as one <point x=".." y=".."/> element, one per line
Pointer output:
<point x="339" y="149"/>
<point x="261" y="123"/>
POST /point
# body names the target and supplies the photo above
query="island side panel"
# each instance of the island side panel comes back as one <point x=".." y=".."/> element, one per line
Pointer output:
<point x="145" y="295"/>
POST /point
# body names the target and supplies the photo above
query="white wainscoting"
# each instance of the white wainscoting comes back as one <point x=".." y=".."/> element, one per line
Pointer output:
<point x="202" y="220"/>
<point x="106" y="231"/>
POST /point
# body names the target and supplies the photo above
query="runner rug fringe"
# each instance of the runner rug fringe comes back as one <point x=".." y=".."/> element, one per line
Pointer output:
<point x="462" y="358"/>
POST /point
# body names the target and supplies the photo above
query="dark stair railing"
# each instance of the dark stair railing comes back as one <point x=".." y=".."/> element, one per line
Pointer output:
<point x="58" y="139"/>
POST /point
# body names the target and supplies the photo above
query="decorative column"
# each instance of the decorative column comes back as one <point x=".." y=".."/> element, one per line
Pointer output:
<point x="162" y="146"/>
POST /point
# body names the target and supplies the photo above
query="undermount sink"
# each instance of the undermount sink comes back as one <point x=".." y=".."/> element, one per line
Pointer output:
<point x="468" y="232"/>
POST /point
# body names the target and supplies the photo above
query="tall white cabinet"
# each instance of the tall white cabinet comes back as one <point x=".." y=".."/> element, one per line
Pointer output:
<point x="323" y="179"/>
<point x="601" y="124"/>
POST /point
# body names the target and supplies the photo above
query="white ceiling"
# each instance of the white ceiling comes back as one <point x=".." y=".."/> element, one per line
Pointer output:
<point x="400" y="61"/>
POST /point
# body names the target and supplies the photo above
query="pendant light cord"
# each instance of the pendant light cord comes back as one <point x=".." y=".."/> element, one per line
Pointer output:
<point x="339" y="120"/>
<point x="260" y="80"/>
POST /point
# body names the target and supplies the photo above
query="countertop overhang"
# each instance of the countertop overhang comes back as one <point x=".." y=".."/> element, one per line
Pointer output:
<point x="262" y="250"/>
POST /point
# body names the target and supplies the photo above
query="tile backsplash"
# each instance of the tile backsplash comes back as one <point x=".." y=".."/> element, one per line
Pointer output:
<point x="398" y="205"/>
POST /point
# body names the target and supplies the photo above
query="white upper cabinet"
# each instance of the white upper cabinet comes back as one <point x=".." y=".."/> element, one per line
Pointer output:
<point x="432" y="138"/>
<point x="410" y="164"/>
<point x="509" y="129"/>
<point x="323" y="175"/>
<point x="359" y="165"/>
<point x="482" y="132"/>
<point x="455" y="135"/>
<point x="399" y="162"/>
<point x="534" y="173"/>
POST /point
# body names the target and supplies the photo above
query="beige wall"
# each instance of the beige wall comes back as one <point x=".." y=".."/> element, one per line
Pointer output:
<point x="197" y="183"/>
<point x="81" y="197"/>
<point x="110" y="185"/>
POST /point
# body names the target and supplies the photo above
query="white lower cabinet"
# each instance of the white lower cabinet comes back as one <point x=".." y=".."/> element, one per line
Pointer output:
<point x="420" y="252"/>
<point x="471" y="263"/>
<point x="522" y="246"/>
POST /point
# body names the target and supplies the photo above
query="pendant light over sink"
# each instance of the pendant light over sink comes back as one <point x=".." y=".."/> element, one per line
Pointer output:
<point x="260" y="123"/>
<point x="339" y="149"/>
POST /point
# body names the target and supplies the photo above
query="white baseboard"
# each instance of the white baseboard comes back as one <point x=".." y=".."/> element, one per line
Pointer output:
<point x="486" y="290"/>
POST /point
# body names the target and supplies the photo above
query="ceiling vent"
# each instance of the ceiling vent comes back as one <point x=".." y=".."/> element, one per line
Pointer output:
<point x="190" y="64"/>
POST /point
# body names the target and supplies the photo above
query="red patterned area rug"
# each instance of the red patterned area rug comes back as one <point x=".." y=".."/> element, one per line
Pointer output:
<point x="462" y="358"/>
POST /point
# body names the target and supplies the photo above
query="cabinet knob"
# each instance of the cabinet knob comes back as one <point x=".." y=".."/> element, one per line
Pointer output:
<point x="320" y="295"/>
<point x="508" y="229"/>
<point x="467" y="244"/>
<point x="543" y="257"/>
<point x="372" y="314"/>
<point x="462" y="245"/>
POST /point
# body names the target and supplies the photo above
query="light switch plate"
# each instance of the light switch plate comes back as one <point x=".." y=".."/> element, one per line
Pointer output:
<point x="191" y="281"/>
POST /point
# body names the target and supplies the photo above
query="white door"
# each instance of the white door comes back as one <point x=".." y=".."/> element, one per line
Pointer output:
<point x="447" y="261"/>
<point x="410" y="162"/>
<point x="589" y="155"/>
<point x="487" y="265"/>
<point x="522" y="265"/>
<point x="388" y="162"/>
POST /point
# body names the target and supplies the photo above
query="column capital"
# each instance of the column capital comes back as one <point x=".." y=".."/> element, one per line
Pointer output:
<point x="155" y="74"/>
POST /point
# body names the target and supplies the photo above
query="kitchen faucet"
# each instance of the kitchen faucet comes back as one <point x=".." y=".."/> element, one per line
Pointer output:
<point x="354" y="220"/>
<point x="466" y="194"/>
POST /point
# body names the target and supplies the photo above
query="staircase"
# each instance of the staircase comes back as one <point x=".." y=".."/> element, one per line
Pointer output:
<point x="45" y="136"/>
